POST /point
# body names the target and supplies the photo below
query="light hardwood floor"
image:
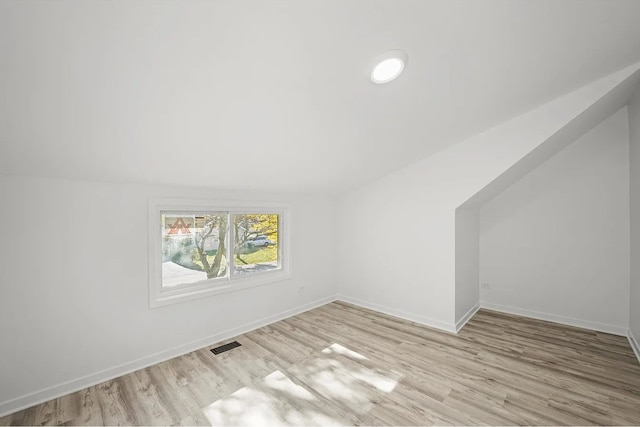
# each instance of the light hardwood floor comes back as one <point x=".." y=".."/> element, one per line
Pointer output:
<point x="341" y="364"/>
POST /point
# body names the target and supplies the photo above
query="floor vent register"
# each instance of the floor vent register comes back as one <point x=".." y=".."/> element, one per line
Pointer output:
<point x="226" y="347"/>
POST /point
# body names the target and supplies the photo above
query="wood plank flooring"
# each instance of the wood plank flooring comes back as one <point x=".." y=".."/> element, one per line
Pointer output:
<point x="345" y="365"/>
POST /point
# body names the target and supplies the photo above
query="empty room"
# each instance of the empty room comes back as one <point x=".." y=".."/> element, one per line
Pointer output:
<point x="320" y="212"/>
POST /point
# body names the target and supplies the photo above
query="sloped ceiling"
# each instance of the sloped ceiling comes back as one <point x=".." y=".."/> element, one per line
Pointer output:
<point x="275" y="94"/>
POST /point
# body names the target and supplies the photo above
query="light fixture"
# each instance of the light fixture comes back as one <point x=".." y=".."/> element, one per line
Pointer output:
<point x="388" y="66"/>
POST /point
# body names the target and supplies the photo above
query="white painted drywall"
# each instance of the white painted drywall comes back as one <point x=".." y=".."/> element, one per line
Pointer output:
<point x="397" y="247"/>
<point x="467" y="262"/>
<point x="634" y="193"/>
<point x="116" y="85"/>
<point x="73" y="308"/>
<point x="557" y="241"/>
<point x="73" y="300"/>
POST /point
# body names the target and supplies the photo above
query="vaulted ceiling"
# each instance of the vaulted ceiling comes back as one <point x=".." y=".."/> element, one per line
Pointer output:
<point x="276" y="94"/>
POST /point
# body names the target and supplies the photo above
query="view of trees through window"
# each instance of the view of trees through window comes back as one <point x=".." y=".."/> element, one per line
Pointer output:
<point x="196" y="247"/>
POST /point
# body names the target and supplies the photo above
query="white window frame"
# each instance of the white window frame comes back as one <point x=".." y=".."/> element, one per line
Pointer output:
<point x="159" y="296"/>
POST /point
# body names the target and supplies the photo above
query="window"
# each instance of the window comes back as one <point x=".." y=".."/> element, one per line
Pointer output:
<point x="199" y="248"/>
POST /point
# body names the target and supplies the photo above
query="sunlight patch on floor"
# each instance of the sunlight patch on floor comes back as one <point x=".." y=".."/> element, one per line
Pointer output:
<point x="328" y="389"/>
<point x="275" y="401"/>
<point x="339" y="349"/>
<point x="341" y="375"/>
<point x="278" y="381"/>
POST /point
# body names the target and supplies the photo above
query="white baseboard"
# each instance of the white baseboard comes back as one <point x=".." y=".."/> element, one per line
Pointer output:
<point x="31" y="399"/>
<point x="634" y="344"/>
<point x="412" y="317"/>
<point x="586" y="324"/>
<point x="468" y="315"/>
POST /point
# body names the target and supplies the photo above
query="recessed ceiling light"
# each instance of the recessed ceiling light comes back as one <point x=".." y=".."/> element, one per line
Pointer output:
<point x="388" y="66"/>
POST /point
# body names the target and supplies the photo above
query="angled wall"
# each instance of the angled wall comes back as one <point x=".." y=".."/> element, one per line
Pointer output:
<point x="634" y="193"/>
<point x="398" y="233"/>
<point x="397" y="245"/>
<point x="555" y="244"/>
<point x="467" y="264"/>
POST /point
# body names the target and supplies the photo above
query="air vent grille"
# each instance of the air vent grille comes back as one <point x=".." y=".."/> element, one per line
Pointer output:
<point x="225" y="347"/>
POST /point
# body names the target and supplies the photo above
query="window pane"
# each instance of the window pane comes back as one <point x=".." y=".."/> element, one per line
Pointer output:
<point x="193" y="247"/>
<point x="256" y="246"/>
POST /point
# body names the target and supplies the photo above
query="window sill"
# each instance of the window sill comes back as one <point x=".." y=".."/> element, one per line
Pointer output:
<point x="168" y="298"/>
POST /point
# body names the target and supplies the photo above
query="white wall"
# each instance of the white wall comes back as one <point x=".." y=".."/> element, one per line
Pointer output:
<point x="467" y="264"/>
<point x="74" y="295"/>
<point x="397" y="234"/>
<point x="634" y="192"/>
<point x="556" y="243"/>
<point x="74" y="304"/>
